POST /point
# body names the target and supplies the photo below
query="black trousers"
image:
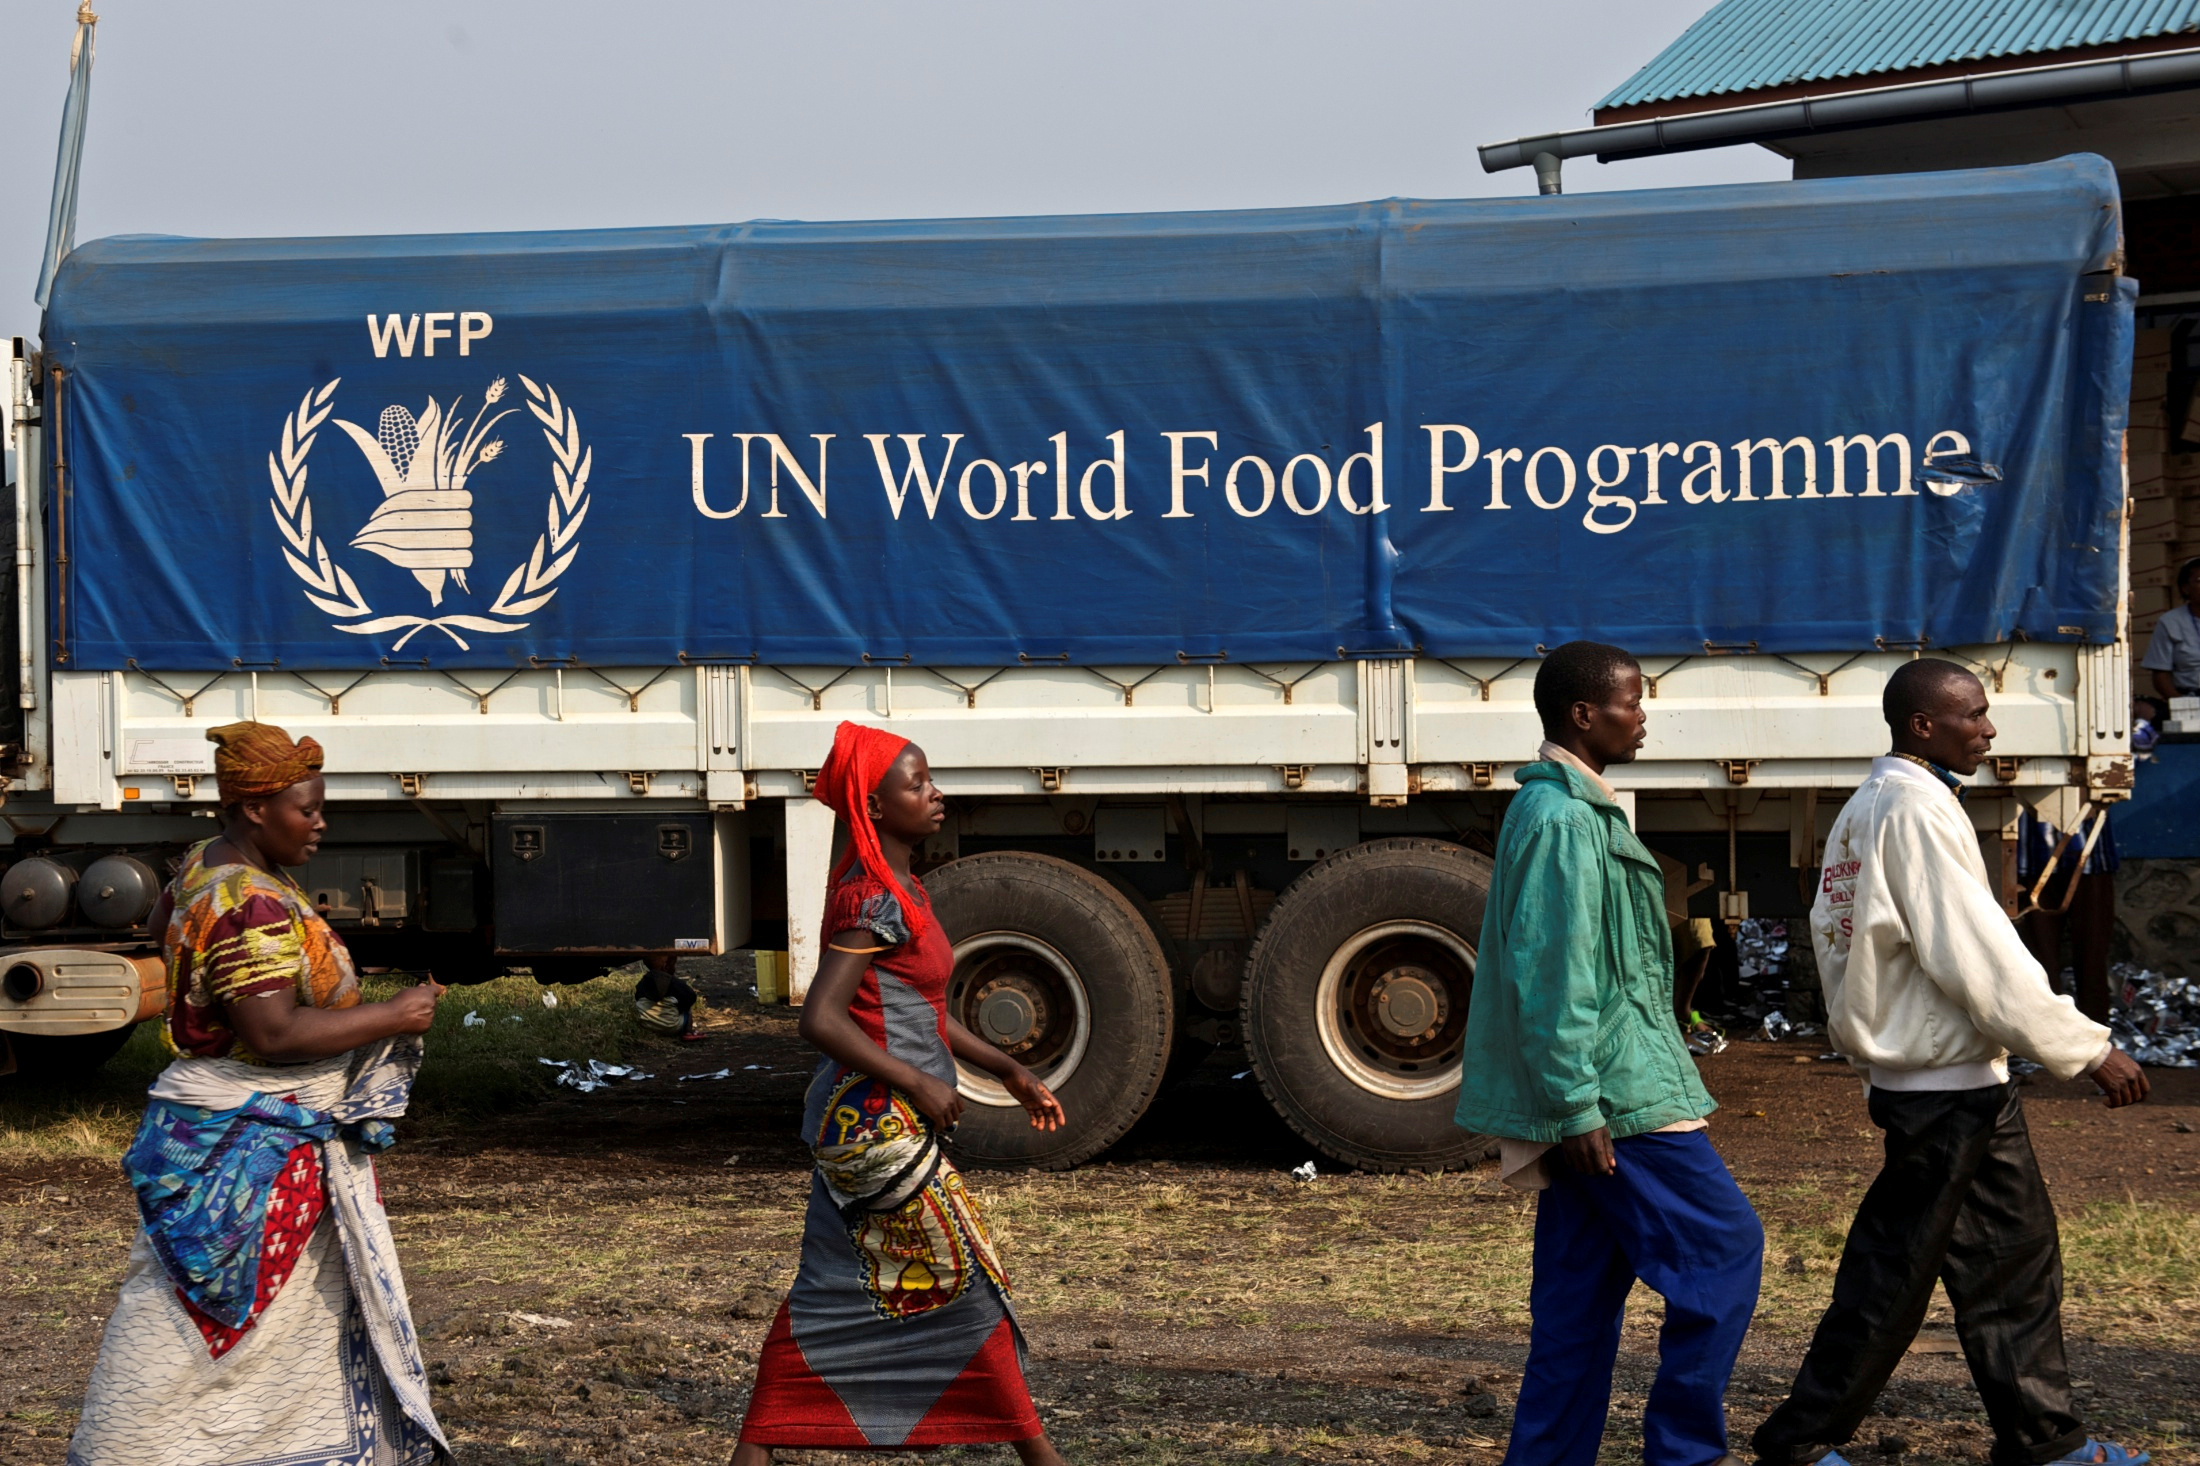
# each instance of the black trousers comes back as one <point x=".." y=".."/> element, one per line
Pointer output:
<point x="1959" y="1198"/>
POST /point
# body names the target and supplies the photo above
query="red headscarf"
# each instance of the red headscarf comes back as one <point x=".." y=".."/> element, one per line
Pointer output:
<point x="255" y="759"/>
<point x="859" y="761"/>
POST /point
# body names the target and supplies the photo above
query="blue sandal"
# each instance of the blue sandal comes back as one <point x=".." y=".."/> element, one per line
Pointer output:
<point x="2111" y="1455"/>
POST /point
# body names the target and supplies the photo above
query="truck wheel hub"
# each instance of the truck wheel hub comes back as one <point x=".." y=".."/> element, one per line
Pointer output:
<point x="1023" y="997"/>
<point x="1391" y="1008"/>
<point x="1410" y="1003"/>
<point x="1011" y="1013"/>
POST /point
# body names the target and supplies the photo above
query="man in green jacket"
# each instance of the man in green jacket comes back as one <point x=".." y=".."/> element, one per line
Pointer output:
<point x="1574" y="1061"/>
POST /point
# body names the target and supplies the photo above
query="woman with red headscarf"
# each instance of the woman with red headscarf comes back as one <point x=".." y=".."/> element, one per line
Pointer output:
<point x="897" y="1332"/>
<point x="263" y="1316"/>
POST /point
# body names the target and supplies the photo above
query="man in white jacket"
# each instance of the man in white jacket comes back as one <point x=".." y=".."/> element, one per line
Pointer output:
<point x="1928" y="990"/>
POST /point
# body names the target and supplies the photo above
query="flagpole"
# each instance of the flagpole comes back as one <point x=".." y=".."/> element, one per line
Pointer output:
<point x="68" y="164"/>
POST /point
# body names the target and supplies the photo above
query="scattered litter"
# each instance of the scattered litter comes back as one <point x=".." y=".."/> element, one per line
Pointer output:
<point x="2156" y="1018"/>
<point x="590" y="1075"/>
<point x="1761" y="947"/>
<point x="713" y="1074"/>
<point x="732" y="1160"/>
<point x="1243" y="1074"/>
<point x="1303" y="1173"/>
<point x="541" y="1320"/>
<point x="513" y="1018"/>
<point x="473" y="1019"/>
<point x="549" y="998"/>
<point x="1704" y="1040"/>
<point x="1774" y="972"/>
<point x="746" y="1067"/>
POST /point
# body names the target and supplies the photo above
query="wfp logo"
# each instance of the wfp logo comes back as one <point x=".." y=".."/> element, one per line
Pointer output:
<point x="423" y="463"/>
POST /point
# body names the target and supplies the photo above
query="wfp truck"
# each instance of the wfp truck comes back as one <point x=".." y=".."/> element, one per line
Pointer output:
<point x="1209" y="557"/>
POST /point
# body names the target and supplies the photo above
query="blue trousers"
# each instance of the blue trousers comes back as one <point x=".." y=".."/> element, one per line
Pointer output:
<point x="1674" y="1218"/>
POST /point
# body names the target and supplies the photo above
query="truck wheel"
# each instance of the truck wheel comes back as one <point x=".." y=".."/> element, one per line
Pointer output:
<point x="65" y="1057"/>
<point x="1355" y="1002"/>
<point x="1054" y="965"/>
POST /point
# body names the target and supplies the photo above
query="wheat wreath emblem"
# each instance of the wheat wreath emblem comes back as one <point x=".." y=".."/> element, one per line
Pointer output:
<point x="526" y="590"/>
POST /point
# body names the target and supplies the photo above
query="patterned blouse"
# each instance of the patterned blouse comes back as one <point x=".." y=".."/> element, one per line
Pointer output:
<point x="233" y="931"/>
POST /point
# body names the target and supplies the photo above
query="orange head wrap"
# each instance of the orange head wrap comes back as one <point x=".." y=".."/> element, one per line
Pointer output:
<point x="256" y="759"/>
<point x="859" y="760"/>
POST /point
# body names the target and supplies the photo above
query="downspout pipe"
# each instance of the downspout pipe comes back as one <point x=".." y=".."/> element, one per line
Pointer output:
<point x="2000" y="91"/>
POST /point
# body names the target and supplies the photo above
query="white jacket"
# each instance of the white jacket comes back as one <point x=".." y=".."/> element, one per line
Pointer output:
<point x="1927" y="984"/>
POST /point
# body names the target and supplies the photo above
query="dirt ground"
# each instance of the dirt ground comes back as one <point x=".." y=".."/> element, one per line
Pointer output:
<point x="593" y="1274"/>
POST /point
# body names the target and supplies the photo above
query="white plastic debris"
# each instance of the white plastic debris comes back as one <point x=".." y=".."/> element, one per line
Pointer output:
<point x="713" y="1074"/>
<point x="540" y="1320"/>
<point x="590" y="1075"/>
<point x="1303" y="1173"/>
<point x="1243" y="1074"/>
<point x="512" y="1018"/>
<point x="549" y="998"/>
<point x="1776" y="1026"/>
<point x="473" y="1019"/>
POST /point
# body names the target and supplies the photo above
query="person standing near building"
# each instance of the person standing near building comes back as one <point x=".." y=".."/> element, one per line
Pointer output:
<point x="1928" y="990"/>
<point x="2173" y="651"/>
<point x="1574" y="1060"/>
<point x="2087" y="913"/>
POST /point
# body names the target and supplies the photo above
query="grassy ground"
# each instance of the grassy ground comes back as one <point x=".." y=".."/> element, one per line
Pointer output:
<point x="593" y="1274"/>
<point x="493" y="1067"/>
<point x="471" y="1070"/>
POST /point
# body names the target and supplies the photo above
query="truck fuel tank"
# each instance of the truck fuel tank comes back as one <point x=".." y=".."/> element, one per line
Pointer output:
<point x="116" y="892"/>
<point x="34" y="894"/>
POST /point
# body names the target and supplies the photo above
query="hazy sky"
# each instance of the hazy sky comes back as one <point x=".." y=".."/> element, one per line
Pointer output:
<point x="251" y="117"/>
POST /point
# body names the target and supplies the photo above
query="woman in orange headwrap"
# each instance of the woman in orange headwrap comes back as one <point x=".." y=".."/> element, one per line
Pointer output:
<point x="897" y="1332"/>
<point x="263" y="1317"/>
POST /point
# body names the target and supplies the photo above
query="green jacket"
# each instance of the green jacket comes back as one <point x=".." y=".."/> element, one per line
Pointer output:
<point x="1571" y="1023"/>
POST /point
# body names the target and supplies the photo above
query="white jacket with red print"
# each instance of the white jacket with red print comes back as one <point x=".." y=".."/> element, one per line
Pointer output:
<point x="1927" y="984"/>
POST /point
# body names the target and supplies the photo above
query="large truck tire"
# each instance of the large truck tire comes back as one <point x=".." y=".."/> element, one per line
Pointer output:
<point x="1355" y="1002"/>
<point x="1056" y="965"/>
<point x="64" y="1058"/>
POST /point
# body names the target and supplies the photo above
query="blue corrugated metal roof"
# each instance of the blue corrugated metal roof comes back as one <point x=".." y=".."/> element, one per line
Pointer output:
<point x="1742" y="45"/>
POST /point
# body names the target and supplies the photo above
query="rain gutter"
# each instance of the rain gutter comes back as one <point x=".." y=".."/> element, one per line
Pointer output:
<point x="1998" y="91"/>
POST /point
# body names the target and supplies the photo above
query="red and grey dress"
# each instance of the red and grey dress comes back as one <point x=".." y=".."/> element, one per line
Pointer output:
<point x="898" y="1331"/>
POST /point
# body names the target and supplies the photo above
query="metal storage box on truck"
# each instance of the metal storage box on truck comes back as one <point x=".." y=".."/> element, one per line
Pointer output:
<point x="1207" y="555"/>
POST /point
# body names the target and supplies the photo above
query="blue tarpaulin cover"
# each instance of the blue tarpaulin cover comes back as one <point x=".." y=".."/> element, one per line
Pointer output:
<point x="1802" y="415"/>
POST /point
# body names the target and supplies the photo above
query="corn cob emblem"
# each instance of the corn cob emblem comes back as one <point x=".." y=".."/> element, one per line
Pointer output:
<point x="425" y="522"/>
